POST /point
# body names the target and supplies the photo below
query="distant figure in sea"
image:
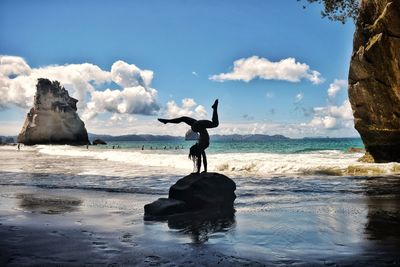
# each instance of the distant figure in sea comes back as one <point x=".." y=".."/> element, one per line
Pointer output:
<point x="199" y="126"/>
<point x="19" y="147"/>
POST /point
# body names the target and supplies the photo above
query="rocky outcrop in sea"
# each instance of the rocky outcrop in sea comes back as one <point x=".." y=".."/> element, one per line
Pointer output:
<point x="53" y="118"/>
<point x="374" y="79"/>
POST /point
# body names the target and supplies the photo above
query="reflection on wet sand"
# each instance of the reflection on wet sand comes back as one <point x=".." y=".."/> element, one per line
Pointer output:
<point x="383" y="200"/>
<point x="200" y="225"/>
<point x="48" y="204"/>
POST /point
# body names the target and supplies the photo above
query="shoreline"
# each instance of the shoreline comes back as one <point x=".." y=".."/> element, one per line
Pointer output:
<point x="72" y="227"/>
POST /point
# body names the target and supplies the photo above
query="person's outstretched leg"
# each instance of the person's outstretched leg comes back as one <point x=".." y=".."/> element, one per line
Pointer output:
<point x="189" y="121"/>
<point x="215" y="113"/>
<point x="202" y="124"/>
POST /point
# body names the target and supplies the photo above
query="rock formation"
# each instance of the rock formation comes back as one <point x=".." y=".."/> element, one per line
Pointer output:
<point x="53" y="118"/>
<point x="374" y="79"/>
<point x="99" y="142"/>
<point x="208" y="192"/>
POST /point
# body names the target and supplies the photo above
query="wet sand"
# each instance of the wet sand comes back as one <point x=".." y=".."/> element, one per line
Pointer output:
<point x="69" y="227"/>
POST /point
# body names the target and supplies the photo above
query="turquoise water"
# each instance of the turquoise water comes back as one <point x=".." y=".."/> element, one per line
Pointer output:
<point x="275" y="146"/>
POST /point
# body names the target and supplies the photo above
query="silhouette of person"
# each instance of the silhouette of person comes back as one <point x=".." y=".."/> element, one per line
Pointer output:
<point x="200" y="126"/>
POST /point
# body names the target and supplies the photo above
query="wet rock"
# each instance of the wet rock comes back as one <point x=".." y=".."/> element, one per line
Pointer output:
<point x="164" y="207"/>
<point x="99" y="142"/>
<point x="205" y="192"/>
<point x="53" y="118"/>
<point x="374" y="79"/>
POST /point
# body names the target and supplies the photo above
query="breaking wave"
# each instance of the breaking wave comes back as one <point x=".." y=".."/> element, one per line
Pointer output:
<point x="303" y="163"/>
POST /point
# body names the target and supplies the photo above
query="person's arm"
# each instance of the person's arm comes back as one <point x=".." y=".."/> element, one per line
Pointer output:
<point x="198" y="163"/>
<point x="204" y="160"/>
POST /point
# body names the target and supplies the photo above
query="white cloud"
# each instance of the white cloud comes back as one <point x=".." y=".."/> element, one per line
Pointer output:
<point x="11" y="65"/>
<point x="188" y="108"/>
<point x="18" y="80"/>
<point x="247" y="69"/>
<point x="128" y="75"/>
<point x="332" y="116"/>
<point x="200" y="111"/>
<point x="298" y="97"/>
<point x="188" y="103"/>
<point x="195" y="74"/>
<point x="335" y="87"/>
<point x="131" y="100"/>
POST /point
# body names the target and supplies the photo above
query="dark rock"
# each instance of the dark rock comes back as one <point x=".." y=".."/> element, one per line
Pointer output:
<point x="163" y="207"/>
<point x="207" y="193"/>
<point x="53" y="118"/>
<point x="99" y="142"/>
<point x="205" y="190"/>
<point x="374" y="79"/>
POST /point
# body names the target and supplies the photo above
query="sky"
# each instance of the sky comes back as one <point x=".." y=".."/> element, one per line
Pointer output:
<point x="275" y="67"/>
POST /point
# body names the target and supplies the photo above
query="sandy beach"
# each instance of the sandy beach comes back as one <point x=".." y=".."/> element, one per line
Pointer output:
<point x="74" y="209"/>
<point x="53" y="227"/>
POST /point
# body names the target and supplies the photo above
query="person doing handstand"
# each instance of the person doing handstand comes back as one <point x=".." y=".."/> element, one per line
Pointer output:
<point x="199" y="126"/>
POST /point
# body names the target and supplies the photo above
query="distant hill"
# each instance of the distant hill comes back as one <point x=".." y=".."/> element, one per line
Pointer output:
<point x="7" y="139"/>
<point x="149" y="137"/>
<point x="249" y="137"/>
<point x="135" y="137"/>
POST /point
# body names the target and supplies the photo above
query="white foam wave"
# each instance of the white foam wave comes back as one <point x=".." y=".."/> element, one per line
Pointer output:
<point x="330" y="162"/>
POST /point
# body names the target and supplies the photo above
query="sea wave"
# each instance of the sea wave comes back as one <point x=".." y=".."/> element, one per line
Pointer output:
<point x="319" y="162"/>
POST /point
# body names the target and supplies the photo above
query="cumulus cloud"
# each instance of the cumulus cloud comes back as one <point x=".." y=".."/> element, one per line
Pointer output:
<point x="332" y="116"/>
<point x="18" y="80"/>
<point x="335" y="87"/>
<point x="131" y="100"/>
<point x="247" y="69"/>
<point x="188" y="108"/>
<point x="11" y="65"/>
<point x="128" y="75"/>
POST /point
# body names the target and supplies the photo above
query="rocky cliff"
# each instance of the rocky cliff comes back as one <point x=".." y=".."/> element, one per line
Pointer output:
<point x="53" y="118"/>
<point x="374" y="78"/>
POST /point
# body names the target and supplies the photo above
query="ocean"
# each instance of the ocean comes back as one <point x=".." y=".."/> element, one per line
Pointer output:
<point x="301" y="201"/>
<point x="125" y="167"/>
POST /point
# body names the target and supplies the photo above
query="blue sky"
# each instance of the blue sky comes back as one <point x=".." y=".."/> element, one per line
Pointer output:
<point x="184" y="44"/>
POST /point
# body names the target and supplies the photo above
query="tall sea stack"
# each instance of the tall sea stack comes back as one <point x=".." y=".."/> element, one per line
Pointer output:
<point x="53" y="118"/>
<point x="374" y="78"/>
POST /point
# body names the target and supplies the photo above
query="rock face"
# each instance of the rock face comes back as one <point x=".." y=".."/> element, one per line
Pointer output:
<point x="99" y="142"/>
<point x="195" y="192"/>
<point x="53" y="118"/>
<point x="164" y="207"/>
<point x="374" y="78"/>
<point x="204" y="190"/>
